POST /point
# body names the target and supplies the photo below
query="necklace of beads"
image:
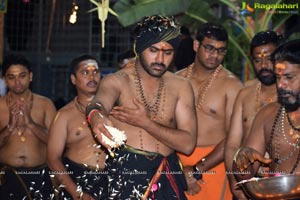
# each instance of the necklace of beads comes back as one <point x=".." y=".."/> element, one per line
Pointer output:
<point x="292" y="125"/>
<point x="142" y="147"/>
<point x="20" y="129"/>
<point x="278" y="160"/>
<point x="210" y="80"/>
<point x="189" y="71"/>
<point x="257" y="97"/>
<point x="81" y="108"/>
<point x="258" y="102"/>
<point x="152" y="109"/>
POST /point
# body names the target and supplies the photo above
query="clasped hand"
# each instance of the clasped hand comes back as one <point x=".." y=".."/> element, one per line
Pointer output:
<point x="19" y="115"/>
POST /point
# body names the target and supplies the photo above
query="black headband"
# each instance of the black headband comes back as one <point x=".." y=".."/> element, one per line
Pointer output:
<point x="154" y="29"/>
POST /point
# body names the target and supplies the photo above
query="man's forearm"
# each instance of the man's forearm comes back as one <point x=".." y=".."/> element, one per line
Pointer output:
<point x="212" y="159"/>
<point x="179" y="140"/>
<point x="39" y="131"/>
<point x="5" y="134"/>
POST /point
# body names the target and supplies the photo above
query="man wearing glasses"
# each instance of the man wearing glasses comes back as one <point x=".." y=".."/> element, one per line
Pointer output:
<point x="215" y="89"/>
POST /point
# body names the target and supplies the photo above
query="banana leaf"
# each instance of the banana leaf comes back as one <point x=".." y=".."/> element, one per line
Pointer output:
<point x="131" y="11"/>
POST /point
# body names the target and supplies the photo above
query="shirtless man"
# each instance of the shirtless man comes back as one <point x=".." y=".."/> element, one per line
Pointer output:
<point x="275" y="128"/>
<point x="252" y="98"/>
<point x="156" y="110"/>
<point x="215" y="89"/>
<point x="24" y="121"/>
<point x="74" y="156"/>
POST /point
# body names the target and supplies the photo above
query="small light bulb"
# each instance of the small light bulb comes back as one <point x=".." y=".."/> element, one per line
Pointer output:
<point x="73" y="18"/>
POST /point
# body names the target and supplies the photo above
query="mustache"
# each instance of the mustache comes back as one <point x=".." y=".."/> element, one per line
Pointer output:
<point x="282" y="92"/>
<point x="265" y="70"/>
<point x="92" y="81"/>
<point x="159" y="64"/>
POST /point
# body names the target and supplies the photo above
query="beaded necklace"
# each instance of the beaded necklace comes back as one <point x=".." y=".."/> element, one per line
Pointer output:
<point x="258" y="102"/>
<point x="257" y="97"/>
<point x="153" y="110"/>
<point x="209" y="80"/>
<point x="278" y="160"/>
<point x="81" y="108"/>
<point x="20" y="129"/>
<point x="292" y="125"/>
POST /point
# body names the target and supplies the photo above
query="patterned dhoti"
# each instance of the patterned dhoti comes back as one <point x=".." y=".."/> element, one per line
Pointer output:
<point x="137" y="174"/>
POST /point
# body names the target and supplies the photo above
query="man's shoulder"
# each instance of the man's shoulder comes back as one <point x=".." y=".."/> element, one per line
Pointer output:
<point x="249" y="90"/>
<point x="247" y="94"/>
<point x="67" y="110"/>
<point x="41" y="98"/>
<point x="270" y="110"/>
<point x="230" y="80"/>
<point x="181" y="72"/>
<point x="43" y="103"/>
<point x="176" y="79"/>
<point x="118" y="76"/>
<point x="251" y="82"/>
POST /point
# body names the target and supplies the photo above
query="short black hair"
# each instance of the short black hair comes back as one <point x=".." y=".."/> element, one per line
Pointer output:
<point x="265" y="37"/>
<point x="15" y="59"/>
<point x="129" y="53"/>
<point x="213" y="31"/>
<point x="289" y="52"/>
<point x="74" y="63"/>
<point x="184" y="30"/>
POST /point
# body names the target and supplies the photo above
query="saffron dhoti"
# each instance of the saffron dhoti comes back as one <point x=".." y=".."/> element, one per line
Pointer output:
<point x="216" y="185"/>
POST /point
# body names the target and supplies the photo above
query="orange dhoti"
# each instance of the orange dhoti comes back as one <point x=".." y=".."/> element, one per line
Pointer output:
<point x="216" y="185"/>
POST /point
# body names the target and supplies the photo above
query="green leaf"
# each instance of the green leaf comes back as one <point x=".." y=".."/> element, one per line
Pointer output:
<point x="131" y="11"/>
<point x="201" y="11"/>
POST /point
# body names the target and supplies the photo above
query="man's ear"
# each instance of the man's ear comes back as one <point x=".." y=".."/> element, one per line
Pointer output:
<point x="196" y="44"/>
<point x="73" y="79"/>
<point x="30" y="76"/>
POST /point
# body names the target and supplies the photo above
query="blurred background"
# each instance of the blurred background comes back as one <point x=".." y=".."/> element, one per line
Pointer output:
<point x="50" y="33"/>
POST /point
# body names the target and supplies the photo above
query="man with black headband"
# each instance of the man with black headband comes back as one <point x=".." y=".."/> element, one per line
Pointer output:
<point x="215" y="90"/>
<point x="276" y="126"/>
<point x="252" y="98"/>
<point x="156" y="110"/>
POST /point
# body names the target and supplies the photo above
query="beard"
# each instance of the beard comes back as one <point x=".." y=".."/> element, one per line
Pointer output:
<point x="290" y="105"/>
<point x="266" y="79"/>
<point x="147" y="67"/>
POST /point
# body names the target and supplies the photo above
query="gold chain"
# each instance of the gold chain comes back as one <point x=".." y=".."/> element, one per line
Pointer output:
<point x="189" y="71"/>
<point x="202" y="93"/>
<point x="257" y="96"/>
<point x="259" y="103"/>
<point x="80" y="107"/>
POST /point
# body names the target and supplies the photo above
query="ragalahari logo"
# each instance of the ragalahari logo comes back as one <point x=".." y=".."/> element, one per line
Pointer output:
<point x="246" y="8"/>
<point x="280" y="8"/>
